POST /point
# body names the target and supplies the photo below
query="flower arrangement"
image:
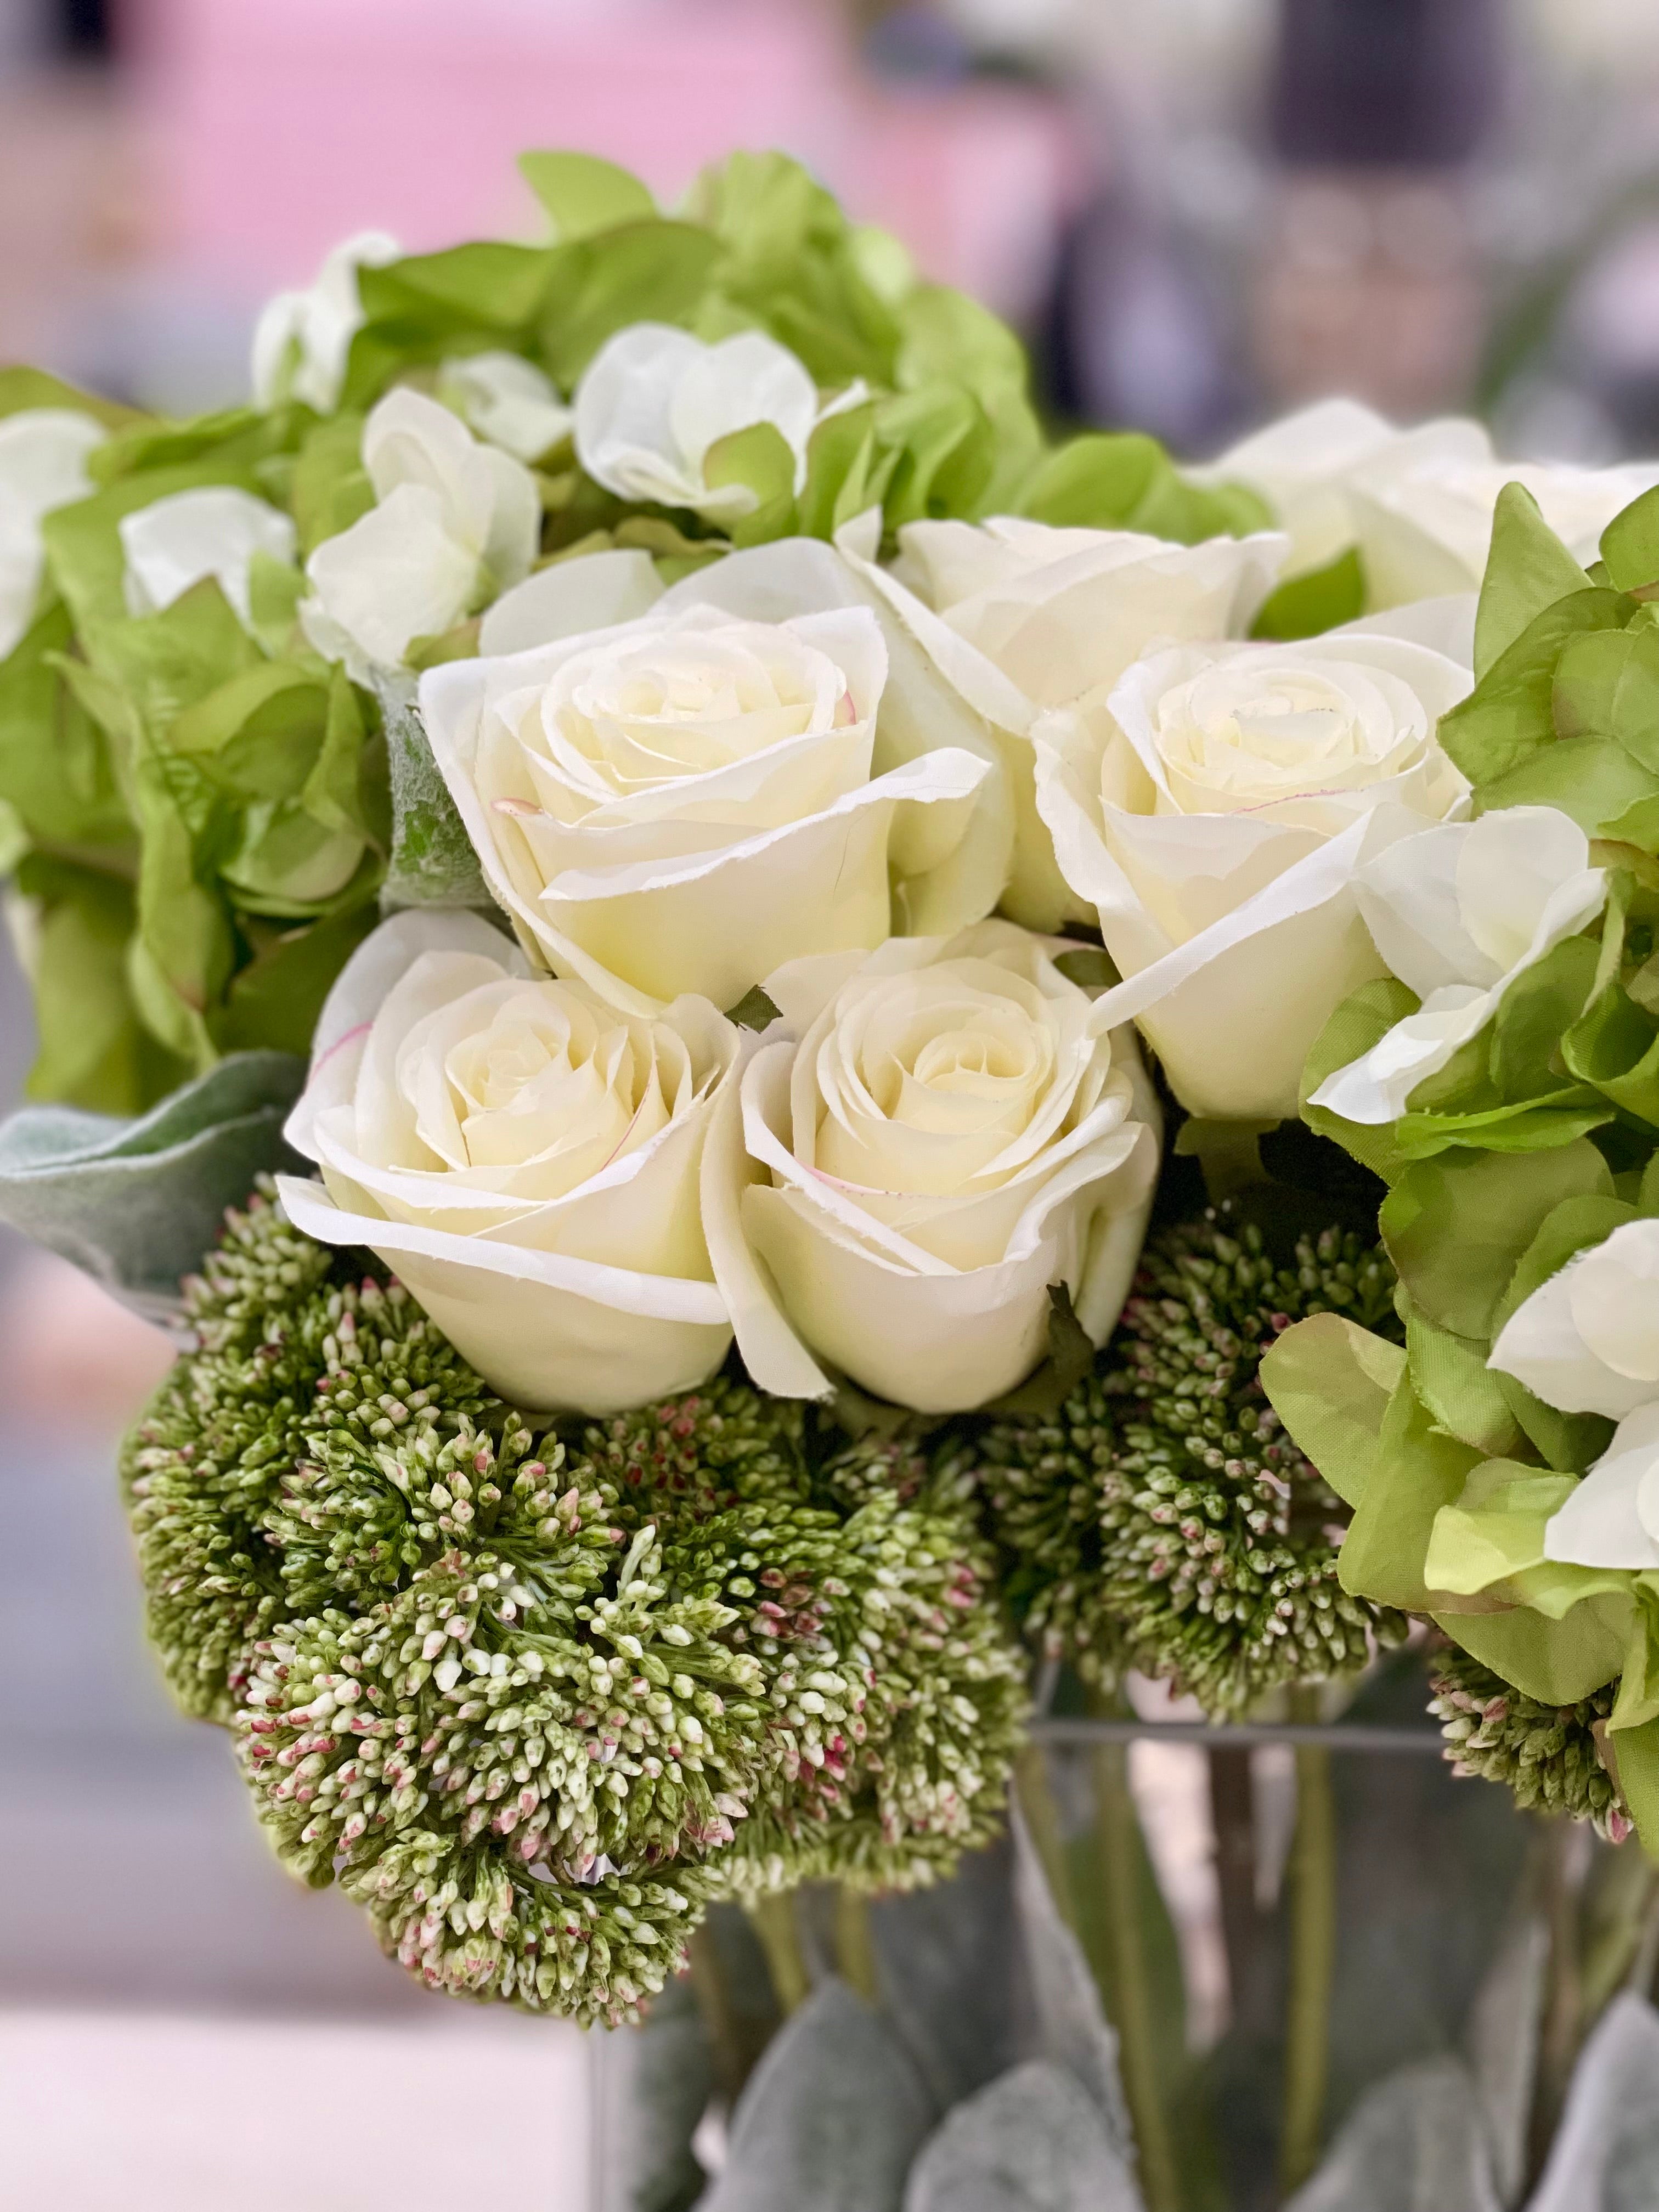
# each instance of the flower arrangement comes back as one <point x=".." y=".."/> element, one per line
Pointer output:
<point x="854" y="1054"/>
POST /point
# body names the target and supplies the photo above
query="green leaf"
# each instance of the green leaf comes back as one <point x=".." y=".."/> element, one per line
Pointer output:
<point x="32" y="387"/>
<point x="1417" y="1469"/>
<point x="1360" y="1021"/>
<point x="1615" y="1047"/>
<point x="1630" y="544"/>
<point x="1450" y="1377"/>
<point x="487" y="289"/>
<point x="1495" y="1530"/>
<point x="1070" y="1357"/>
<point x="1530" y="1125"/>
<point x="1528" y="570"/>
<point x="1330" y="1382"/>
<point x="945" y="450"/>
<point x="1607" y="685"/>
<point x="1318" y="600"/>
<point x="754" y="1010"/>
<point x="138" y="1204"/>
<point x="653" y="271"/>
<point x="1634" y="1754"/>
<point x="1456" y="1227"/>
<point x="1557" y="1661"/>
<point x="330" y="488"/>
<point x="55" y="764"/>
<point x="847" y="470"/>
<point x="758" y="458"/>
<point x="583" y="194"/>
<point x="1592" y="779"/>
<point x="1100" y="481"/>
<point x="1509" y="714"/>
<point x="93" y="1051"/>
<point x="275" y="1000"/>
<point x="1543" y="1001"/>
<point x="1090" y="967"/>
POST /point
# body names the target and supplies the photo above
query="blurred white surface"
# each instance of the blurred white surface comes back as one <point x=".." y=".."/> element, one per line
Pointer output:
<point x="102" y="2112"/>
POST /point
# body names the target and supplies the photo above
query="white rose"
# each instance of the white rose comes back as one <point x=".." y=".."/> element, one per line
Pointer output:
<point x="1588" y="1342"/>
<point x="506" y="400"/>
<point x="302" y="339"/>
<point x="1216" y="837"/>
<point x="216" y="531"/>
<point x="1419" y="503"/>
<point x="1021" y="617"/>
<point x="43" y="465"/>
<point x="525" y="1157"/>
<point x="1457" y="913"/>
<point x="944" y="1131"/>
<point x="654" y="400"/>
<point x="684" y="801"/>
<point x="455" y="523"/>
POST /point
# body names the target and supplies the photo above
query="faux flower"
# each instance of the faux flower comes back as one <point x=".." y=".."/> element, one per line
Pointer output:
<point x="686" y="801"/>
<point x="1022" y="616"/>
<point x="944" y="1132"/>
<point x="506" y="400"/>
<point x="302" y="339"/>
<point x="1587" y="1342"/>
<point x="525" y="1156"/>
<point x="454" y="524"/>
<point x="1457" y="913"/>
<point x="1217" y="833"/>
<point x="1417" y="502"/>
<point x="43" y="465"/>
<point x="214" y="531"/>
<point x="654" y="400"/>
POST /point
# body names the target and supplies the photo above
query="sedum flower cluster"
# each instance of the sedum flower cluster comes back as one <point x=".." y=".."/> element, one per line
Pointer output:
<point x="534" y="1699"/>
<point x="1163" y="1519"/>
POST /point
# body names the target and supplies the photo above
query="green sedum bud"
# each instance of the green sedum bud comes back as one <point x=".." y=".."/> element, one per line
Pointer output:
<point x="1550" y="1756"/>
<point x="1163" y="1519"/>
<point x="533" y="1700"/>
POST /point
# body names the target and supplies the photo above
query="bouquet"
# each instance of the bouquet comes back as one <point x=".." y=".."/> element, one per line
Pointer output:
<point x="809" y="1073"/>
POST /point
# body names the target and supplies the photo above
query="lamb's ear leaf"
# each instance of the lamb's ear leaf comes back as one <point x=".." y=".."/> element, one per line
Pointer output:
<point x="1528" y="570"/>
<point x="1031" y="2137"/>
<point x="139" y="1204"/>
<point x="831" y="2119"/>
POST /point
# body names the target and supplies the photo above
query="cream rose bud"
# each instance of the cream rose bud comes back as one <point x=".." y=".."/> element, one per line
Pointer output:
<point x="1458" y="913"/>
<point x="683" y="802"/>
<point x="525" y="1157"/>
<point x="1021" y="617"/>
<point x="653" y="400"/>
<point x="43" y="465"/>
<point x="217" y="531"/>
<point x="1217" y="836"/>
<point x="454" y="524"/>
<point x="943" y="1131"/>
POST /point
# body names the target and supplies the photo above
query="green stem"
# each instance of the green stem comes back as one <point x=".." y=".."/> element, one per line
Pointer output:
<point x="1232" y="1815"/>
<point x="855" y="1944"/>
<point x="1118" y="1833"/>
<point x="1312" y="1964"/>
<point x="773" y="1919"/>
<point x="719" y="2022"/>
<point x="1036" y="1802"/>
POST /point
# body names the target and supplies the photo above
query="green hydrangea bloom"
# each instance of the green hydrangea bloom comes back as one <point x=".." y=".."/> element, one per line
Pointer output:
<point x="534" y="1700"/>
<point x="1163" y="1519"/>
<point x="1548" y="1755"/>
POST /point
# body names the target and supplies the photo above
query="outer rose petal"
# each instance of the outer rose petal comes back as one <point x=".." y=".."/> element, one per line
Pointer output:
<point x="549" y="1333"/>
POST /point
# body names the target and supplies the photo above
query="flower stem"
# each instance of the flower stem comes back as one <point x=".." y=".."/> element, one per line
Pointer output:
<point x="1232" y="1815"/>
<point x="855" y="1945"/>
<point x="1036" y="1802"/>
<point x="1312" y="1965"/>
<point x="773" y="1919"/>
<point x="714" y="1999"/>
<point x="1121" y="1848"/>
